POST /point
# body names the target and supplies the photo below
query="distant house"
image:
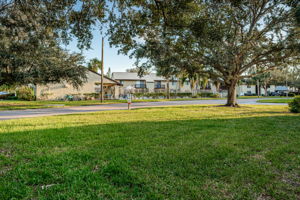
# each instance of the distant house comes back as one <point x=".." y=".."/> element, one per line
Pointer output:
<point x="251" y="89"/>
<point x="151" y="83"/>
<point x="89" y="90"/>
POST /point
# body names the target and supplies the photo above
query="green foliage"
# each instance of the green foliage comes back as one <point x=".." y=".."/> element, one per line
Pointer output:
<point x="225" y="39"/>
<point x="94" y="65"/>
<point x="7" y="96"/>
<point x="25" y="93"/>
<point x="31" y="34"/>
<point x="7" y="88"/>
<point x="205" y="94"/>
<point x="182" y="95"/>
<point x="109" y="74"/>
<point x="295" y="105"/>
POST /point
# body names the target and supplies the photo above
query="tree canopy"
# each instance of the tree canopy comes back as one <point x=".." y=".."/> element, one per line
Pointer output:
<point x="31" y="34"/>
<point x="223" y="38"/>
<point x="94" y="65"/>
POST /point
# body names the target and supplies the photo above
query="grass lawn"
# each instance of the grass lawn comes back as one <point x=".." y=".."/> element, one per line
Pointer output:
<point x="276" y="101"/>
<point x="21" y="105"/>
<point x="183" y="152"/>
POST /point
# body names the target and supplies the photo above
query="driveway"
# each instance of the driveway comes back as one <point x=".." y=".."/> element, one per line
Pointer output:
<point x="16" y="114"/>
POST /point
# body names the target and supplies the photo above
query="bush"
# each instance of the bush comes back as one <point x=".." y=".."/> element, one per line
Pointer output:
<point x="25" y="93"/>
<point x="208" y="94"/>
<point x="9" y="96"/>
<point x="187" y="94"/>
<point x="91" y="96"/>
<point x="139" y="95"/>
<point x="7" y="88"/>
<point x="216" y="95"/>
<point x="291" y="94"/>
<point x="295" y="105"/>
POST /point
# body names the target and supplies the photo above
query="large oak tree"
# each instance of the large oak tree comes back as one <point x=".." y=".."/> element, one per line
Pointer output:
<point x="229" y="38"/>
<point x="31" y="35"/>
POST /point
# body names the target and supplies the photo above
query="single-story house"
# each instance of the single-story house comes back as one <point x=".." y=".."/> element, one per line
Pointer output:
<point x="149" y="83"/>
<point x="89" y="90"/>
<point x="252" y="89"/>
<point x="152" y="83"/>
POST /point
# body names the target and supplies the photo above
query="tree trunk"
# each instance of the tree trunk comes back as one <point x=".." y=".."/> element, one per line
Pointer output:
<point x="231" y="97"/>
<point x="266" y="90"/>
<point x="168" y="89"/>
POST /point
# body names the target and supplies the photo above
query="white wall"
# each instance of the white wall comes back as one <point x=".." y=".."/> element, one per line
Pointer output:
<point x="60" y="90"/>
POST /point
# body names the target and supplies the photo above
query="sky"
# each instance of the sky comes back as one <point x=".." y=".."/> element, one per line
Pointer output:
<point x="117" y="63"/>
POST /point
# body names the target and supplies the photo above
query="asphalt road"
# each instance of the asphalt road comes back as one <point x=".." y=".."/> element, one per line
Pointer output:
<point x="17" y="114"/>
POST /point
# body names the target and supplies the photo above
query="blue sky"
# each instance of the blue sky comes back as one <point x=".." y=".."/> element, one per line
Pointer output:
<point x="117" y="63"/>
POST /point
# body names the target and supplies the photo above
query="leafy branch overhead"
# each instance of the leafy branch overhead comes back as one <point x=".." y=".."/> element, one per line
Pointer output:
<point x="31" y="33"/>
<point x="226" y="39"/>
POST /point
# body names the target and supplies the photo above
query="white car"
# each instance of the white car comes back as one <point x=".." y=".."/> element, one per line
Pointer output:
<point x="3" y="93"/>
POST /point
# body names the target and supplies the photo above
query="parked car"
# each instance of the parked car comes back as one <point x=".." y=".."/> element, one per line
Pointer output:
<point x="7" y="95"/>
<point x="274" y="94"/>
<point x="3" y="93"/>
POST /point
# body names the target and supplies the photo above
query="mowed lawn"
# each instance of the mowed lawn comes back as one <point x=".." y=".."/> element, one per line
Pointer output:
<point x="183" y="152"/>
<point x="22" y="105"/>
<point x="275" y="101"/>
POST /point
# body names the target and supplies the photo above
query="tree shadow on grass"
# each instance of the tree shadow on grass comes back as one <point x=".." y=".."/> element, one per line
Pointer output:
<point x="177" y="159"/>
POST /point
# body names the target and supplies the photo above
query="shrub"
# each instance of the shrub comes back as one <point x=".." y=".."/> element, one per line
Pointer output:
<point x="25" y="93"/>
<point x="291" y="94"/>
<point x="208" y="94"/>
<point x="295" y="105"/>
<point x="7" y="88"/>
<point x="12" y="97"/>
<point x="186" y="94"/>
<point x="216" y="95"/>
<point x="139" y="95"/>
<point x="91" y="96"/>
<point x="7" y="96"/>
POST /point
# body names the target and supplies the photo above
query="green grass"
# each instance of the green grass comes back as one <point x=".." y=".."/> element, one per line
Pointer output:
<point x="183" y="152"/>
<point x="276" y="101"/>
<point x="22" y="105"/>
<point x="255" y="97"/>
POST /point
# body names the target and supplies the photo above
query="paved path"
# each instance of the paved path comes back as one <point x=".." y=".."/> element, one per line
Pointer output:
<point x="16" y="114"/>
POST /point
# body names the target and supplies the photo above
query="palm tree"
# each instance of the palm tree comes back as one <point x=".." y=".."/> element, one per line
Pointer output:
<point x="94" y="65"/>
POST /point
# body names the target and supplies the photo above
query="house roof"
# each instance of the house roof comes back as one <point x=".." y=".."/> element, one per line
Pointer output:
<point x="118" y="83"/>
<point x="134" y="76"/>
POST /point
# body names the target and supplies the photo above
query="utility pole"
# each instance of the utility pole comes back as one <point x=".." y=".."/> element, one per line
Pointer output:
<point x="102" y="71"/>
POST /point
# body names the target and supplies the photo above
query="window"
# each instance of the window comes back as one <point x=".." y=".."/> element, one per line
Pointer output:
<point x="122" y="82"/>
<point x="248" y="86"/>
<point x="187" y="82"/>
<point x="173" y="83"/>
<point x="140" y="84"/>
<point x="157" y="85"/>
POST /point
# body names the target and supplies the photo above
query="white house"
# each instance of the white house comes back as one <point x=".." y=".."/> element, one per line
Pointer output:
<point x="89" y="90"/>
